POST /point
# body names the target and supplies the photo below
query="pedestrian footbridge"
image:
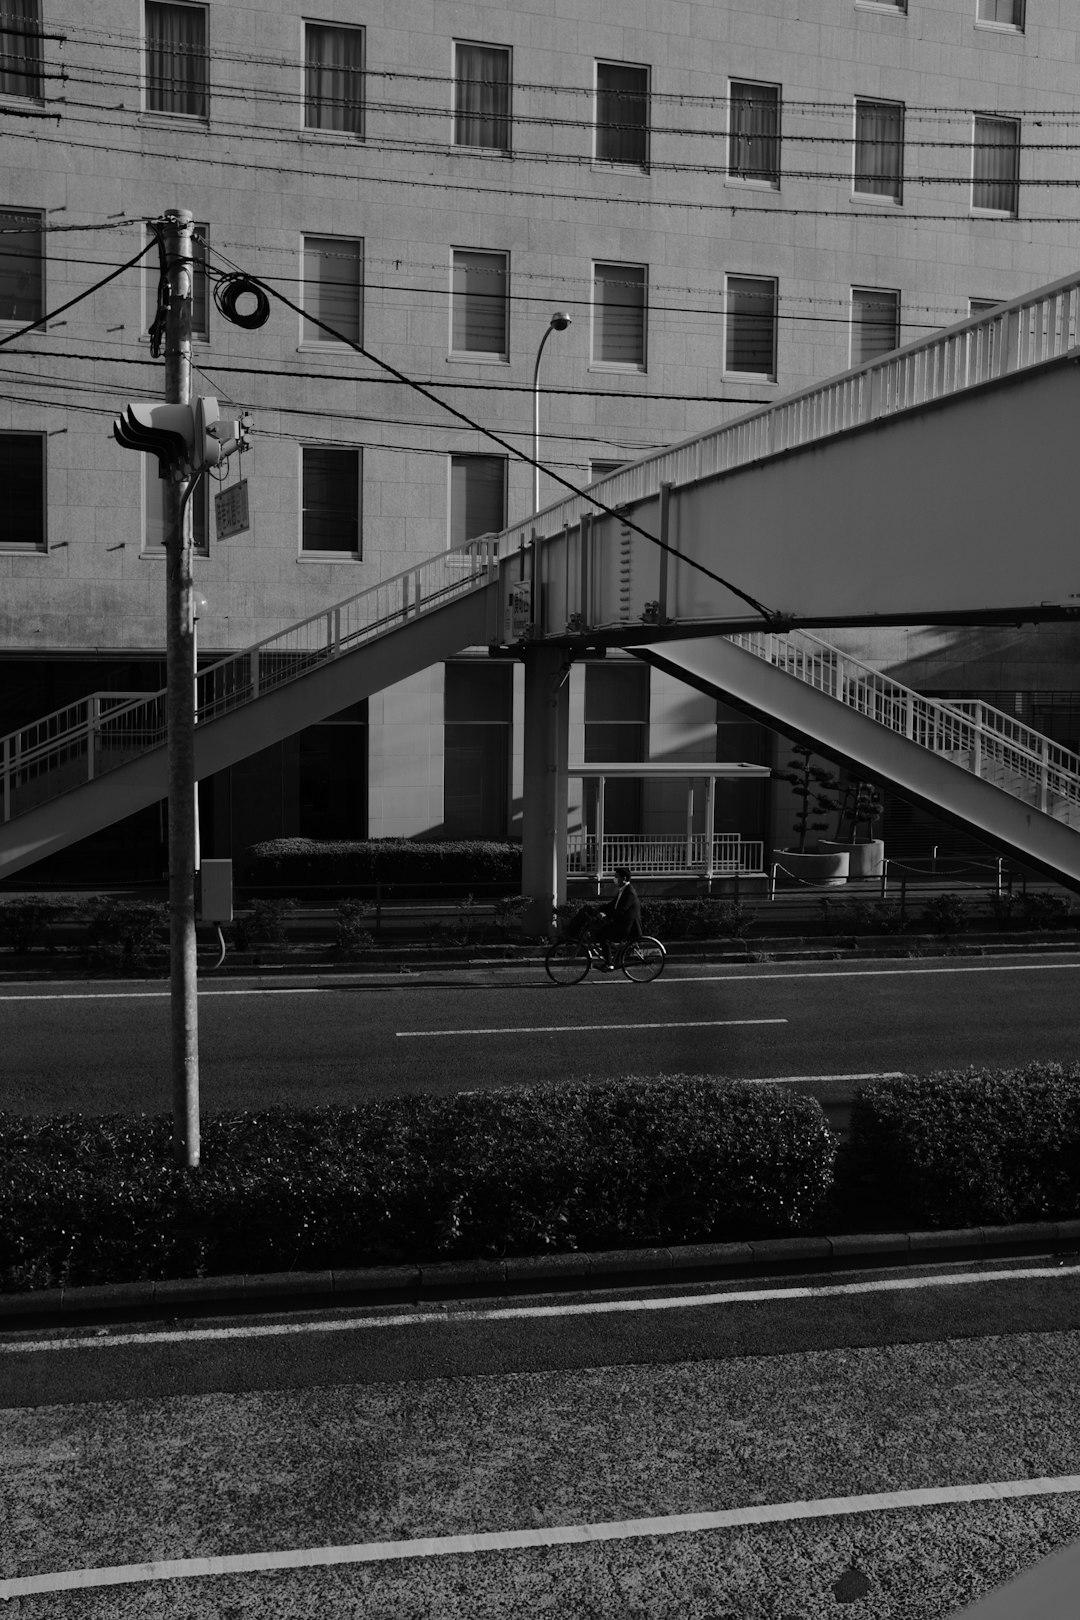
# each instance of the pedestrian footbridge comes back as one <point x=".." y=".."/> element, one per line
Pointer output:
<point x="934" y="485"/>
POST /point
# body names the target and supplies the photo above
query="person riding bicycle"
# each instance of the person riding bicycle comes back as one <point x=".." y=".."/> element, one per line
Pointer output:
<point x="621" y="916"/>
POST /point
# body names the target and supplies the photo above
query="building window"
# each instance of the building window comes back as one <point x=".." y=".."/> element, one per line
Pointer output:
<point x="334" y="78"/>
<point x="22" y="477"/>
<point x="754" y="133"/>
<point x="1005" y="13"/>
<point x="200" y="282"/>
<point x="875" y="323"/>
<point x="601" y="469"/>
<point x="330" y="521"/>
<point x="21" y="273"/>
<point x="879" y="149"/>
<point x="154" y="512"/>
<point x="20" y="48"/>
<point x="981" y="306"/>
<point x="996" y="166"/>
<point x="333" y="283"/>
<point x="618" y="324"/>
<point x="750" y="326"/>
<point x="477" y="497"/>
<point x="177" y="62"/>
<point x="479" y="304"/>
<point x="482" y="96"/>
<point x="622" y="114"/>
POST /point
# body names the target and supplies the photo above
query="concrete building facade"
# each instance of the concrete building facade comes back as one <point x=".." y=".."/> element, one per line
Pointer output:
<point x="730" y="201"/>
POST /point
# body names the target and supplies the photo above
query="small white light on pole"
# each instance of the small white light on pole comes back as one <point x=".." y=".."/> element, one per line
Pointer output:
<point x="558" y="323"/>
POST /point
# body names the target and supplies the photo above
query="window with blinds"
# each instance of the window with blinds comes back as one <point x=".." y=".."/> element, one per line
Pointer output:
<point x="330" y="500"/>
<point x="879" y="149"/>
<point x="754" y="132"/>
<point x="750" y="326"/>
<point x="996" y="166"/>
<point x="21" y="266"/>
<point x="177" y="60"/>
<point x="332" y="288"/>
<point x="22" y="477"/>
<point x="477" y="497"/>
<point x="875" y="323"/>
<point x="479" y="304"/>
<point x="618" y="315"/>
<point x="334" y="78"/>
<point x="1005" y="13"/>
<point x="622" y="114"/>
<point x="482" y="96"/>
<point x="20" y="48"/>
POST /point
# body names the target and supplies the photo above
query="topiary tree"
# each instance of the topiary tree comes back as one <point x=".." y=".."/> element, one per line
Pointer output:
<point x="813" y="787"/>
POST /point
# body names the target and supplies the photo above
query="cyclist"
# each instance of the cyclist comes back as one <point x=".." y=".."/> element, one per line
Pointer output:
<point x="620" y="918"/>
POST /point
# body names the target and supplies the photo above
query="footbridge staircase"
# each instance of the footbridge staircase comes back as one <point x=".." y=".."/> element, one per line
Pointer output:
<point x="935" y="485"/>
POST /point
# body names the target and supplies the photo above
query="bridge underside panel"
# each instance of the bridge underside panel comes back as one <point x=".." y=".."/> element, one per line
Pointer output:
<point x="865" y="747"/>
<point x="962" y="509"/>
<point x="279" y="713"/>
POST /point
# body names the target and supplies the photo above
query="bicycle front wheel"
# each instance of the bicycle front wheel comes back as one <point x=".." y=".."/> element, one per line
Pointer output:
<point x="567" y="962"/>
<point x="643" y="959"/>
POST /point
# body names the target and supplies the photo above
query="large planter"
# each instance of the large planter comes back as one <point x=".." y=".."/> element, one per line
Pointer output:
<point x="811" y="866"/>
<point x="865" y="859"/>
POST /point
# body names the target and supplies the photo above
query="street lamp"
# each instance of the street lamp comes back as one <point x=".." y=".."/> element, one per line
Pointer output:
<point x="558" y="323"/>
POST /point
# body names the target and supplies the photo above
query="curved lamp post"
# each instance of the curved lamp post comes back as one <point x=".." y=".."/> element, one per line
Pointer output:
<point x="558" y="323"/>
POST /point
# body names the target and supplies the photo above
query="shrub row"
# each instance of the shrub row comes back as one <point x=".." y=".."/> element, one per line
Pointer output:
<point x="619" y="1164"/>
<point x="304" y="863"/>
<point x="963" y="1148"/>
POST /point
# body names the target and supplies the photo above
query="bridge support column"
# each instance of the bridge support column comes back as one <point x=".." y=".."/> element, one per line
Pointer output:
<point x="543" y="821"/>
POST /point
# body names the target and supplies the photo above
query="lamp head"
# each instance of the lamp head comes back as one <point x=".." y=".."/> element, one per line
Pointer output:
<point x="559" y="321"/>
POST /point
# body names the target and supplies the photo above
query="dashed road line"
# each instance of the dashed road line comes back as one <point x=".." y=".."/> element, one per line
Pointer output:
<point x="562" y="1535"/>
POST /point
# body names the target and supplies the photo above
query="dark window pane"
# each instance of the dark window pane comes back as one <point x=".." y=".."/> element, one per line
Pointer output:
<point x="755" y="132"/>
<point x="482" y="97"/>
<point x="20" y="267"/>
<point x="332" y="279"/>
<point x="334" y="79"/>
<point x="479" y="313"/>
<point x="619" y="314"/>
<point x="477" y="497"/>
<point x="622" y="114"/>
<point x="875" y="323"/>
<point x="751" y="326"/>
<point x="176" y="59"/>
<point x="997" y="165"/>
<point x="22" y="478"/>
<point x="879" y="148"/>
<point x="331" y="500"/>
<point x="20" y="48"/>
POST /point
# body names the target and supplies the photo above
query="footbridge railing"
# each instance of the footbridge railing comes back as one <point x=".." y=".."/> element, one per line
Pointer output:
<point x="975" y="736"/>
<point x="106" y="730"/>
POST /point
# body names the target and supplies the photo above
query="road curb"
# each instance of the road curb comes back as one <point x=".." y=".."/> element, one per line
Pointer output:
<point x="378" y="1284"/>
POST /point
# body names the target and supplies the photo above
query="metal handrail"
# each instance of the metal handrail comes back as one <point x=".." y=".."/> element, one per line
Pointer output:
<point x="1043" y="776"/>
<point x="137" y="722"/>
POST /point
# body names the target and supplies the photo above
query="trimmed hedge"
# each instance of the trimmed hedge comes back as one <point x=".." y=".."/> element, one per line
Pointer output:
<point x="308" y="863"/>
<point x="964" y="1148"/>
<point x="621" y="1164"/>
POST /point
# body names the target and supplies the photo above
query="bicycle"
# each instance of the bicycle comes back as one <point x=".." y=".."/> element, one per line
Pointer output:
<point x="568" y="960"/>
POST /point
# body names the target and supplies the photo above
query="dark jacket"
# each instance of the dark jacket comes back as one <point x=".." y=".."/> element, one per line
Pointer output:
<point x="623" y="914"/>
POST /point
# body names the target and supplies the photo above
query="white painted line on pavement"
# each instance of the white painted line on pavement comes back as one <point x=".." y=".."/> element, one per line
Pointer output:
<point x="672" y="978"/>
<point x="559" y="1535"/>
<point x="576" y="1029"/>
<point x="440" y="1316"/>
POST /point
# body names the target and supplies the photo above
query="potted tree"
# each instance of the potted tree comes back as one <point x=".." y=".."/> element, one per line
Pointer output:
<point x="860" y="809"/>
<point x="813" y="789"/>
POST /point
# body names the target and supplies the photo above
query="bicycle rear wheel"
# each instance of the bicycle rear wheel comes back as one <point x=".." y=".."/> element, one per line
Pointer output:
<point x="643" y="959"/>
<point x="567" y="962"/>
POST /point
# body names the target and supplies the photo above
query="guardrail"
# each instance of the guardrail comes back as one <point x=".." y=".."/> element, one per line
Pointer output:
<point x="724" y="855"/>
<point x="72" y="746"/>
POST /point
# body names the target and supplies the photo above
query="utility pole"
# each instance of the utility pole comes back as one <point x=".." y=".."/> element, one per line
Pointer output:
<point x="176" y="227"/>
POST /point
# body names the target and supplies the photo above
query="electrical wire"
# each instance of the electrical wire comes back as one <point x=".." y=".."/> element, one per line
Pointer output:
<point x="53" y="313"/>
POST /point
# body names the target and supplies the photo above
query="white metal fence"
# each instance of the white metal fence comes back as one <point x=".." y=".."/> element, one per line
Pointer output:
<point x="725" y="854"/>
<point x="975" y="736"/>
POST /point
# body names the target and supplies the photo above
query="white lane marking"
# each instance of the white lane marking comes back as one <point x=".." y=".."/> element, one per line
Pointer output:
<point x="816" y="1079"/>
<point x="559" y="1535"/>
<point x="442" y="1317"/>
<point x="576" y="1029"/>
<point x="672" y="978"/>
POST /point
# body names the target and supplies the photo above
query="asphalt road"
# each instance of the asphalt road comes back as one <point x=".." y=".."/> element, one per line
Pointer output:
<point x="104" y="1046"/>
<point x="888" y="1444"/>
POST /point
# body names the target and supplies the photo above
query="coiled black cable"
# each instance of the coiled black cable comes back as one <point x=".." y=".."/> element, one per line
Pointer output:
<point x="227" y="293"/>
